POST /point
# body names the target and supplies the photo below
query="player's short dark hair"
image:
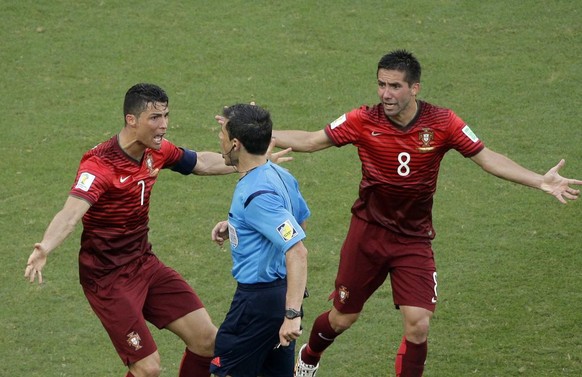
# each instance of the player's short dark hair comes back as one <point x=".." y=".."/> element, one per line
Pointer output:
<point x="403" y="61"/>
<point x="251" y="125"/>
<point x="140" y="95"/>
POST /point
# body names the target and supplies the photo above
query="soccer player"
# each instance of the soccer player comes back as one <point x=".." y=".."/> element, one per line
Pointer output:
<point x="401" y="142"/>
<point x="264" y="227"/>
<point x="123" y="280"/>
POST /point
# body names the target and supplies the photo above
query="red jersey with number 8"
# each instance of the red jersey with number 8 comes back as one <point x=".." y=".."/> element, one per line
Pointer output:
<point x="400" y="165"/>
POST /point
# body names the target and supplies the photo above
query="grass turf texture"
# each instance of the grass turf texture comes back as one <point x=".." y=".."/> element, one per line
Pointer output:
<point x="508" y="257"/>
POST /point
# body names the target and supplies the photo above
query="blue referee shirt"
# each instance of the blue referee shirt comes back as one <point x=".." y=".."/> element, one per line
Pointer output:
<point x="263" y="223"/>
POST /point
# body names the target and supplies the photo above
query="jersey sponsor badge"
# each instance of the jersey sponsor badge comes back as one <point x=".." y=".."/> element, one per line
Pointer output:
<point x="287" y="231"/>
<point x="232" y="237"/>
<point x="467" y="131"/>
<point x="85" y="181"/>
<point x="338" y="122"/>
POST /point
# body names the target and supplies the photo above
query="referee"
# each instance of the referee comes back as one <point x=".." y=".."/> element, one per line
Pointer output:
<point x="265" y="230"/>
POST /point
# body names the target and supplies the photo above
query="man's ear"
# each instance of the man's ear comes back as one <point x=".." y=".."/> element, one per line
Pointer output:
<point x="130" y="120"/>
<point x="415" y="88"/>
<point x="236" y="144"/>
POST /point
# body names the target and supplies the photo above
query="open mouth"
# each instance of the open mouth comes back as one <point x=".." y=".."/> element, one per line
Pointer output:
<point x="390" y="107"/>
<point x="158" y="138"/>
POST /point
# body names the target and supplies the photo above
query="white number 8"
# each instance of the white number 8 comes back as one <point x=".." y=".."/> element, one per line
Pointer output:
<point x="404" y="159"/>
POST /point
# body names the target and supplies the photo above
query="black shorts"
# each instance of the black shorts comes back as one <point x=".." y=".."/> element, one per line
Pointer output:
<point x="246" y="343"/>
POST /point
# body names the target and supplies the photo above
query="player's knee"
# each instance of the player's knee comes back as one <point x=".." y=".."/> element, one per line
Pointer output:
<point x="207" y="344"/>
<point x="153" y="371"/>
<point x="147" y="371"/>
<point x="203" y="343"/>
<point x="421" y="329"/>
<point x="417" y="331"/>
<point x="149" y="367"/>
<point x="341" y="322"/>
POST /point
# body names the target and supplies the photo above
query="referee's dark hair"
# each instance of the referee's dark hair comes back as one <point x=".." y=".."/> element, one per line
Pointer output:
<point x="251" y="125"/>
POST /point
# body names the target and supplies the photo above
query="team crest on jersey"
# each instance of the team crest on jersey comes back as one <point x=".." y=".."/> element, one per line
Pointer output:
<point x="426" y="135"/>
<point x="134" y="340"/>
<point x="85" y="181"/>
<point x="343" y="294"/>
<point x="150" y="165"/>
<point x="287" y="231"/>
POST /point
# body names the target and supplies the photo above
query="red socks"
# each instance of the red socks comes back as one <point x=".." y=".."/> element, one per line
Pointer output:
<point x="410" y="359"/>
<point x="194" y="365"/>
<point x="322" y="336"/>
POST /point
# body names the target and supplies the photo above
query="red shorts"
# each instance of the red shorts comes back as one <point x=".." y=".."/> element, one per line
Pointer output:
<point x="371" y="252"/>
<point x="143" y="290"/>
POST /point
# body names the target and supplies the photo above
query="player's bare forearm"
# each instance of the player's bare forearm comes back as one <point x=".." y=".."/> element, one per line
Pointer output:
<point x="64" y="222"/>
<point x="57" y="231"/>
<point x="61" y="226"/>
<point x="503" y="167"/>
<point x="302" y="141"/>
<point x="211" y="163"/>
<point x="551" y="182"/>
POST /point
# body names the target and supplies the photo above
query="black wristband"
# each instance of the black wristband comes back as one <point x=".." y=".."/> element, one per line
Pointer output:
<point x="292" y="313"/>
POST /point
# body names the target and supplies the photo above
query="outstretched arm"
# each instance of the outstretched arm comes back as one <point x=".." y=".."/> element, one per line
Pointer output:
<point x="302" y="141"/>
<point x="551" y="182"/>
<point x="211" y="163"/>
<point x="58" y="230"/>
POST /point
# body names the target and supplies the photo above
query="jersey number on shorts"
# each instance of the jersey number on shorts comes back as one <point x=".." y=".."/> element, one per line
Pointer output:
<point x="434" y="277"/>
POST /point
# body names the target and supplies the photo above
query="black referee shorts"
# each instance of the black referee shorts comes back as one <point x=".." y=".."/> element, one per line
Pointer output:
<point x="246" y="343"/>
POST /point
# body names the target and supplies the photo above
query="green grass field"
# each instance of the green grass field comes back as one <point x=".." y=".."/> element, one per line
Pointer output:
<point x="509" y="257"/>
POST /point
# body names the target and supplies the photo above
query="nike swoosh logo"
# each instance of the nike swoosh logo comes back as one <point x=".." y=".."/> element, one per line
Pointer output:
<point x="324" y="338"/>
<point x="123" y="179"/>
<point x="374" y="133"/>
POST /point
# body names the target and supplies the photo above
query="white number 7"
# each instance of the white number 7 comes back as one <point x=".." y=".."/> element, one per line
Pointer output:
<point x="142" y="183"/>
